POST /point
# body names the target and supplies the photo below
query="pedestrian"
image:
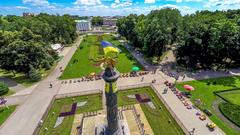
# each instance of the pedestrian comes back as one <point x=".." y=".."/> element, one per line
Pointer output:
<point x="193" y="131"/>
<point x="51" y="85"/>
<point x="142" y="79"/>
<point x="183" y="77"/>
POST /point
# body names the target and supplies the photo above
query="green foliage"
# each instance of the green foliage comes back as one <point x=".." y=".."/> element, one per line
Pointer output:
<point x="213" y="39"/>
<point x="153" y="32"/>
<point x="46" y="65"/>
<point x="52" y="28"/>
<point x="208" y="40"/>
<point x="26" y="41"/>
<point x="97" y="20"/>
<point x="231" y="111"/>
<point x="3" y="88"/>
<point x="34" y="74"/>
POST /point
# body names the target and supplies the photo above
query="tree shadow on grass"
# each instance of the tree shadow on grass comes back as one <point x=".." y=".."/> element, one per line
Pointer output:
<point x="224" y="81"/>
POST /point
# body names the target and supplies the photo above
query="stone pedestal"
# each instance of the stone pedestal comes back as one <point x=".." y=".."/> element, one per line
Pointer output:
<point x="122" y="129"/>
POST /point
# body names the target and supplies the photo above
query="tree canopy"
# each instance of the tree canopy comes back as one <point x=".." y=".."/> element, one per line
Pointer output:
<point x="209" y="40"/>
<point x="97" y="21"/>
<point x="25" y="41"/>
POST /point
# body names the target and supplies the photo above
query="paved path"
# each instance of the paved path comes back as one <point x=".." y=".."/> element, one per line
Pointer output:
<point x="26" y="117"/>
<point x="13" y="85"/>
<point x="139" y="58"/>
<point x="187" y="117"/>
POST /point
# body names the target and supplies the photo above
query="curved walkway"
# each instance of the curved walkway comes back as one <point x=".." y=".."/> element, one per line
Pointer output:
<point x="27" y="115"/>
<point x="221" y="116"/>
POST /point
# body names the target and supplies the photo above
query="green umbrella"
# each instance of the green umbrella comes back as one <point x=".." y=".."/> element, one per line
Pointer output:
<point x="135" y="69"/>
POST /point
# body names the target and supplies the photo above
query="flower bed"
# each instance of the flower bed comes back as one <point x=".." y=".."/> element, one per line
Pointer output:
<point x="72" y="112"/>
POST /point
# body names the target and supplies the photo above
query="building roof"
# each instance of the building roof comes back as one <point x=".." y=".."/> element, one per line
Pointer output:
<point x="81" y="21"/>
<point x="56" y="46"/>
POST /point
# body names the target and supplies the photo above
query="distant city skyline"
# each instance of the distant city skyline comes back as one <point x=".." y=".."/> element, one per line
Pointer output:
<point x="111" y="7"/>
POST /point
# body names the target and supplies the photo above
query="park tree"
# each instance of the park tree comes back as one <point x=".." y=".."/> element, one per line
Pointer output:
<point x="26" y="41"/>
<point x="33" y="74"/>
<point x="3" y="88"/>
<point x="97" y="21"/>
<point x="18" y="55"/>
<point x="212" y="39"/>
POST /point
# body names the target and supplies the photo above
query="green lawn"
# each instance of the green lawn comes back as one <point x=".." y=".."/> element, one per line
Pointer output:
<point x="94" y="103"/>
<point x="5" y="113"/>
<point x="125" y="60"/>
<point x="157" y="118"/>
<point x="231" y="96"/>
<point x="10" y="92"/>
<point x="231" y="111"/>
<point x="204" y="90"/>
<point x="82" y="63"/>
<point x="21" y="78"/>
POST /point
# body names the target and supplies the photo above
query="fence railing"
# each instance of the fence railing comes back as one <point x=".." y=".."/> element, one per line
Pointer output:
<point x="171" y="111"/>
<point x="79" y="93"/>
<point x="133" y="86"/>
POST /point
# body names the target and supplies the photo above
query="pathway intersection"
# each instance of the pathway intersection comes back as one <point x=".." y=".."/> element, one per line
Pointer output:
<point x="33" y="105"/>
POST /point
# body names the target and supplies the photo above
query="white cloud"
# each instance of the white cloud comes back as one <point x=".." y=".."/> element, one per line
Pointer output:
<point x="168" y="6"/>
<point x="117" y="1"/>
<point x="149" y="1"/>
<point x="222" y="4"/>
<point x="39" y="3"/>
<point x="183" y="9"/>
<point x="121" y="4"/>
<point x="21" y="7"/>
<point x="178" y="1"/>
<point x="87" y="2"/>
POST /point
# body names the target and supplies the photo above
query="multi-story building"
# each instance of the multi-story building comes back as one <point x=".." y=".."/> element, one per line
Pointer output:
<point x="109" y="21"/>
<point x="83" y="25"/>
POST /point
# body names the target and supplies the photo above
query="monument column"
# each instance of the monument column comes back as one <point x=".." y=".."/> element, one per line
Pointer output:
<point x="110" y="76"/>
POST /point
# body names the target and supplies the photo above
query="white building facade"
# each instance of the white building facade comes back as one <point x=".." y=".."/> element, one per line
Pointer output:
<point x="109" y="21"/>
<point x="83" y="25"/>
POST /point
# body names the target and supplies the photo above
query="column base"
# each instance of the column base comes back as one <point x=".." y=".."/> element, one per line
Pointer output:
<point x="122" y="130"/>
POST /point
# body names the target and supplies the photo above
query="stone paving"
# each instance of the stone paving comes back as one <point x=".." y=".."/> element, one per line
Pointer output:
<point x="32" y="107"/>
<point x="187" y="117"/>
<point x="76" y="122"/>
<point x="132" y="125"/>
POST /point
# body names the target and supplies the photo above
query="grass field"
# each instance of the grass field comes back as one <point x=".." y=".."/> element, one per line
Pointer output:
<point x="157" y="118"/>
<point x="204" y="90"/>
<point x="231" y="111"/>
<point x="231" y="96"/>
<point x="5" y="113"/>
<point x="94" y="103"/>
<point x="82" y="63"/>
<point x="21" y="78"/>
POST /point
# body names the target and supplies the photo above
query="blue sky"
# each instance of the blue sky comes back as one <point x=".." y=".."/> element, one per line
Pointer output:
<point x="111" y="7"/>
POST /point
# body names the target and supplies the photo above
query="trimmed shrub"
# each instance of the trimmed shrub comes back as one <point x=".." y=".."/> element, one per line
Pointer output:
<point x="3" y="88"/>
